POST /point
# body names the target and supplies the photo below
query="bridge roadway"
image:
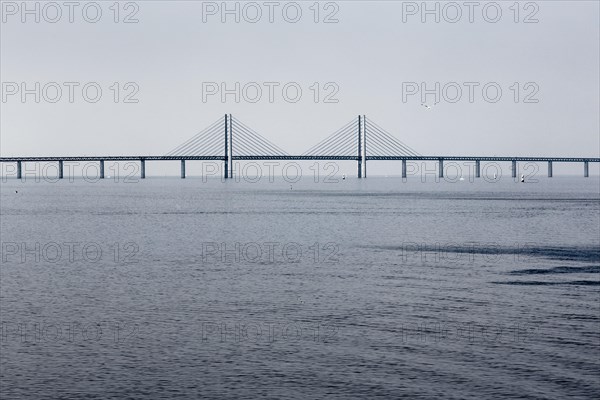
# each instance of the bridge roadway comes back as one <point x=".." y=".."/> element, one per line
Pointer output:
<point x="297" y="158"/>
<point x="440" y="159"/>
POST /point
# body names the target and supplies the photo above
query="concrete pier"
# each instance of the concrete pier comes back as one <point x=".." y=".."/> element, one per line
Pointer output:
<point x="19" y="169"/>
<point x="101" y="169"/>
<point x="586" y="169"/>
<point x="404" y="168"/>
<point x="549" y="169"/>
<point x="143" y="169"/>
<point x="514" y="168"/>
<point x="182" y="169"/>
<point x="477" y="169"/>
<point x="60" y="169"/>
<point x="441" y="172"/>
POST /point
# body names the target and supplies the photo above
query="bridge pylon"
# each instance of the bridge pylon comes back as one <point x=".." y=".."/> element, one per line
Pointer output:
<point x="227" y="161"/>
<point x="364" y="146"/>
<point x="359" y="161"/>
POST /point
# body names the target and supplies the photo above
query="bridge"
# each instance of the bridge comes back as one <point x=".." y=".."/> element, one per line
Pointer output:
<point x="228" y="140"/>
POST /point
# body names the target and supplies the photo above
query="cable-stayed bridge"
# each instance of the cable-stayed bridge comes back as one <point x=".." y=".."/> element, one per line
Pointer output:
<point x="228" y="139"/>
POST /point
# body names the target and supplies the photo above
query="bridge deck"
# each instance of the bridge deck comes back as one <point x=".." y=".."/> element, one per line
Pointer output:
<point x="298" y="158"/>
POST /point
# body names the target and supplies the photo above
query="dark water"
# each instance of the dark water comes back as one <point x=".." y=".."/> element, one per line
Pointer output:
<point x="359" y="289"/>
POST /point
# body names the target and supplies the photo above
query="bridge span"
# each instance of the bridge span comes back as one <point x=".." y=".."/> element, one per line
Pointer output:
<point x="349" y="143"/>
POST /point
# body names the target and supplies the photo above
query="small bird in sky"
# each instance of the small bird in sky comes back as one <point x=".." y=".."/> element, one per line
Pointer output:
<point x="427" y="106"/>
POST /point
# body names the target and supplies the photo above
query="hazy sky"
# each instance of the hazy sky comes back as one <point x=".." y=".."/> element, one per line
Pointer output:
<point x="373" y="50"/>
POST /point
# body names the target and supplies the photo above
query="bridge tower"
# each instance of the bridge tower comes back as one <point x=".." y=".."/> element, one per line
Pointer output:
<point x="362" y="146"/>
<point x="228" y="147"/>
<point x="359" y="147"/>
<point x="226" y="159"/>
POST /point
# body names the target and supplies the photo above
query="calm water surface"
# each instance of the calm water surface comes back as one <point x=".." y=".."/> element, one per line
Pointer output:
<point x="170" y="288"/>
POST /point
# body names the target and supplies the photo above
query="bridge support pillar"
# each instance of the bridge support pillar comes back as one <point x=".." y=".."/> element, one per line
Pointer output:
<point x="514" y="168"/>
<point x="477" y="169"/>
<point x="143" y="169"/>
<point x="441" y="172"/>
<point x="404" y="169"/>
<point x="101" y="169"/>
<point x="360" y="154"/>
<point x="364" y="146"/>
<point x="230" y="148"/>
<point x="19" y="170"/>
<point x="60" y="169"/>
<point x="182" y="169"/>
<point x="586" y="169"/>
<point x="226" y="159"/>
<point x="549" y="169"/>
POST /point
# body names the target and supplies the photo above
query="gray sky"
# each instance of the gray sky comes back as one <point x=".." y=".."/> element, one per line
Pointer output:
<point x="368" y="54"/>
